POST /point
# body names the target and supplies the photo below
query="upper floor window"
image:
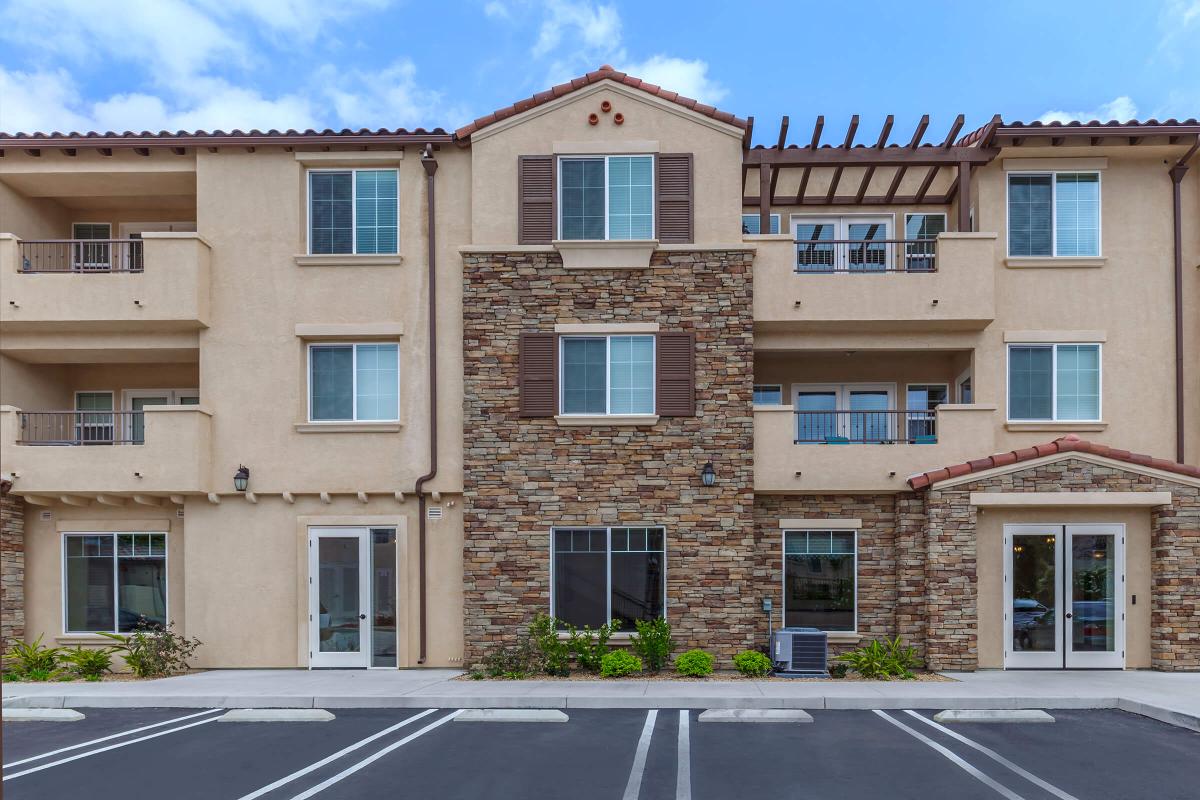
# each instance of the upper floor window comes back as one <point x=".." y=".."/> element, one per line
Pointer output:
<point x="1049" y="382"/>
<point x="607" y="375"/>
<point x="768" y="394"/>
<point x="606" y="197"/>
<point x="1054" y="214"/>
<point x="353" y="211"/>
<point x="353" y="383"/>
<point x="752" y="223"/>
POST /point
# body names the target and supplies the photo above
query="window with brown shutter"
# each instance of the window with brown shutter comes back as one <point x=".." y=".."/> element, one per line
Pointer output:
<point x="676" y="367"/>
<point x="535" y="199"/>
<point x="537" y="377"/>
<point x="673" y="173"/>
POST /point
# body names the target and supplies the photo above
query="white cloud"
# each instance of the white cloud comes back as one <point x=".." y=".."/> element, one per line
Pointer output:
<point x="385" y="98"/>
<point x="688" y="78"/>
<point x="589" y="27"/>
<point x="496" y="10"/>
<point x="1179" y="22"/>
<point x="1121" y="108"/>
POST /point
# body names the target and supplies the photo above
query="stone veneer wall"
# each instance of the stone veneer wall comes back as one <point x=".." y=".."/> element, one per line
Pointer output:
<point x="1175" y="559"/>
<point x="877" y="566"/>
<point x="12" y="568"/>
<point x="524" y="475"/>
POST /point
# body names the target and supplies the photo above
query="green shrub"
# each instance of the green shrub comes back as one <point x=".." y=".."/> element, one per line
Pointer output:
<point x="554" y="653"/>
<point x="513" y="662"/>
<point x="32" y="661"/>
<point x="838" y="670"/>
<point x="694" y="664"/>
<point x="155" y="651"/>
<point x="590" y="646"/>
<point x="882" y="659"/>
<point x="89" y="663"/>
<point x="619" y="663"/>
<point x="652" y="642"/>
<point x="752" y="664"/>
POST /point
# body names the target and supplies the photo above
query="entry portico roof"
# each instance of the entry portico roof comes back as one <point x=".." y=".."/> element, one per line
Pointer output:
<point x="1067" y="444"/>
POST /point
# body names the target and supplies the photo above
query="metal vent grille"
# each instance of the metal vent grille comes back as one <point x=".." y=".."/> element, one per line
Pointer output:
<point x="179" y="513"/>
<point x="47" y="515"/>
<point x="433" y="512"/>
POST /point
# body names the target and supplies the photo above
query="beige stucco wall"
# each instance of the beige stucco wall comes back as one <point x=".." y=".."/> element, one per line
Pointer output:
<point x="665" y="126"/>
<point x="990" y="574"/>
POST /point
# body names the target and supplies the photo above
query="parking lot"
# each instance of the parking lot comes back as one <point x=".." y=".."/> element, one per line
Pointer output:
<point x="615" y="754"/>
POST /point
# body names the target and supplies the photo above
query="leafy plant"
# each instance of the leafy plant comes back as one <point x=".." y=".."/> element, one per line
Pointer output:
<point x="694" y="664"/>
<point x="154" y="650"/>
<point x="653" y="642"/>
<point x="752" y="663"/>
<point x="41" y="675"/>
<point x="89" y="663"/>
<point x="513" y="662"/>
<point x="619" y="663"/>
<point x="882" y="659"/>
<point x="554" y="652"/>
<point x="590" y="646"/>
<point x="838" y="670"/>
<point x="26" y="659"/>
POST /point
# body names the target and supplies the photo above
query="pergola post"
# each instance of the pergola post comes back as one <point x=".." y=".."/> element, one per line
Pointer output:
<point x="964" y="196"/>
<point x="764" y="198"/>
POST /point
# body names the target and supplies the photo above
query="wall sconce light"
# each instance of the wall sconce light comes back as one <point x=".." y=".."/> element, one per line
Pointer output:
<point x="241" y="478"/>
<point x="708" y="474"/>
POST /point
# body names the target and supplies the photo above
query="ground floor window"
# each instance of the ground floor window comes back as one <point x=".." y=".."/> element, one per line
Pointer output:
<point x="114" y="580"/>
<point x="602" y="574"/>
<point x="819" y="579"/>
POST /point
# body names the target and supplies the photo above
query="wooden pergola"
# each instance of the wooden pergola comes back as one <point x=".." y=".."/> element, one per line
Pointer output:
<point x="933" y="158"/>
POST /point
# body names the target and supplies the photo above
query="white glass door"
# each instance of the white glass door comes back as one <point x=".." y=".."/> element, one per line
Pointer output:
<point x="1064" y="596"/>
<point x="339" y="597"/>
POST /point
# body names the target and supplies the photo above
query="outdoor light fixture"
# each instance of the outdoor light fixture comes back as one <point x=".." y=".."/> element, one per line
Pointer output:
<point x="241" y="478"/>
<point x="708" y="474"/>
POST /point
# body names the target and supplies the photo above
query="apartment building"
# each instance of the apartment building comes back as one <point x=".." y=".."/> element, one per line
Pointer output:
<point x="377" y="398"/>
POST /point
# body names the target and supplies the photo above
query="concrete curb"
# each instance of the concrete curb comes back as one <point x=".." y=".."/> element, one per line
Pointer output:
<point x="41" y="715"/>
<point x="276" y="715"/>
<point x="1176" y="718"/>
<point x="993" y="715"/>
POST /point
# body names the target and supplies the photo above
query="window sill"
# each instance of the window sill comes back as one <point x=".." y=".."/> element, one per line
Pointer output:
<point x="348" y="260"/>
<point x="843" y="637"/>
<point x="1055" y="426"/>
<point x="1056" y="262"/>
<point x="617" y="254"/>
<point x="618" y="637"/>
<point x="72" y="639"/>
<point x="606" y="420"/>
<point x="347" y="427"/>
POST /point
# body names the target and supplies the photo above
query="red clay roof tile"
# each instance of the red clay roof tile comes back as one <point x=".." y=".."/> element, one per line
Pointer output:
<point x="1067" y="444"/>
<point x="605" y="72"/>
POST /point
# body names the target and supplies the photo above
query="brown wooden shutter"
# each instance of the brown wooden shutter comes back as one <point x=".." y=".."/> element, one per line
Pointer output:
<point x="537" y="375"/>
<point x="673" y="174"/>
<point x="535" y="199"/>
<point x="675" y="365"/>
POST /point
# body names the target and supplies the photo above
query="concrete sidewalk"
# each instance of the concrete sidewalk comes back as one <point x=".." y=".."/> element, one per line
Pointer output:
<point x="1170" y="697"/>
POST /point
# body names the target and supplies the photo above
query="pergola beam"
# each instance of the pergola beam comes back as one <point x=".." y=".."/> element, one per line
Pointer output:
<point x="913" y="143"/>
<point x="751" y="201"/>
<point x="813" y="144"/>
<point x="870" y="173"/>
<point x="954" y="129"/>
<point x="837" y="172"/>
<point x="925" y="184"/>
<point x="926" y="156"/>
<point x="783" y="129"/>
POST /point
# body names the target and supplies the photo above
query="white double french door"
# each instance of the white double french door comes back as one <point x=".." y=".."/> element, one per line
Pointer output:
<point x="852" y="243"/>
<point x="1064" y="596"/>
<point x="845" y="413"/>
<point x="339" y="597"/>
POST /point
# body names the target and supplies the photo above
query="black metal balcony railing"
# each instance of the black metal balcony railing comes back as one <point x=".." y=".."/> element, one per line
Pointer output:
<point x="866" y="427"/>
<point x="858" y="255"/>
<point x="81" y="427"/>
<point x="82" y="255"/>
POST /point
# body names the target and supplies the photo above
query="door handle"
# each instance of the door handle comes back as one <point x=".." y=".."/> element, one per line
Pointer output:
<point x="1068" y="615"/>
<point x="362" y="616"/>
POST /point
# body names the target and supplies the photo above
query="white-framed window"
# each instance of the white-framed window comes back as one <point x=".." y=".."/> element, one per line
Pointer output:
<point x="94" y="419"/>
<point x="114" y="581"/>
<point x="847" y="243"/>
<point x="606" y="197"/>
<point x="920" y="233"/>
<point x="600" y="574"/>
<point x="768" y="394"/>
<point x="1053" y="214"/>
<point x="603" y="375"/>
<point x="353" y="211"/>
<point x="920" y="410"/>
<point x="752" y="223"/>
<point x="1051" y="382"/>
<point x="92" y="256"/>
<point x="820" y="579"/>
<point x="354" y="382"/>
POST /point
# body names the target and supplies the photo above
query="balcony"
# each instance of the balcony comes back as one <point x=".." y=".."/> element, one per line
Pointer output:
<point x="159" y="282"/>
<point x="896" y="284"/>
<point x="160" y="450"/>
<point x="862" y="451"/>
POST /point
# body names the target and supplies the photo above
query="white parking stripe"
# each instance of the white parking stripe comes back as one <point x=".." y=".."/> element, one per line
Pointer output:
<point x="12" y="764"/>
<point x="350" y="749"/>
<point x="325" y="784"/>
<point x="683" y="777"/>
<point x="634" y="787"/>
<point x="965" y="766"/>
<point x="999" y="759"/>
<point x="99" y="750"/>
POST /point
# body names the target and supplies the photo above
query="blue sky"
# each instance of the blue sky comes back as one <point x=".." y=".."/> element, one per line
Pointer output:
<point x="188" y="64"/>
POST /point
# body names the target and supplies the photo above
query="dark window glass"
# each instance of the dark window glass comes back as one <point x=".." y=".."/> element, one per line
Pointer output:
<point x="89" y="583"/>
<point x="582" y="200"/>
<point x="582" y="588"/>
<point x="768" y="395"/>
<point x="584" y="376"/>
<point x="1029" y="215"/>
<point x="332" y="382"/>
<point x="141" y="580"/>
<point x="383" y="597"/>
<point x="637" y="575"/>
<point x="331" y="212"/>
<point x="580" y="577"/>
<point x="819" y="580"/>
<point x="1030" y="383"/>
